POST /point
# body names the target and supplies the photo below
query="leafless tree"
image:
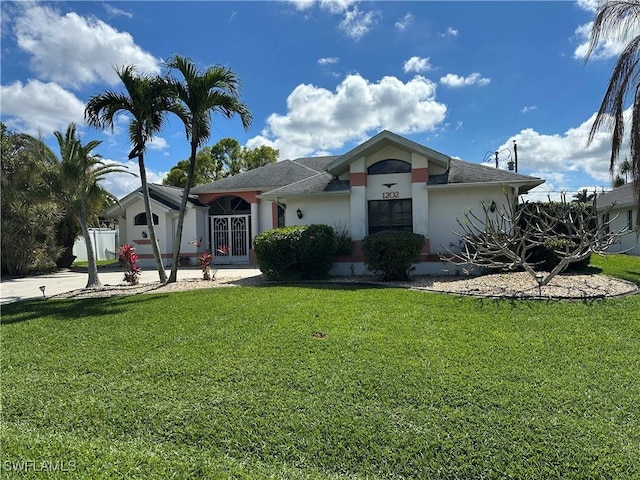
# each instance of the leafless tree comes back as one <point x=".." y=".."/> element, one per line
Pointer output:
<point x="507" y="238"/>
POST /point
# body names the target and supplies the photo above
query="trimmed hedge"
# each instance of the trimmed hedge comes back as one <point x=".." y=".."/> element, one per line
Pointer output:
<point x="298" y="252"/>
<point x="392" y="253"/>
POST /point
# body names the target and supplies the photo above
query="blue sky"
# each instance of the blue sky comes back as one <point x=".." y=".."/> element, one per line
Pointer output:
<point x="462" y="78"/>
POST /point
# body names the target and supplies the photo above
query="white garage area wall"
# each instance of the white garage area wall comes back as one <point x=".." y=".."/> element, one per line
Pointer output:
<point x="629" y="243"/>
<point x="447" y="205"/>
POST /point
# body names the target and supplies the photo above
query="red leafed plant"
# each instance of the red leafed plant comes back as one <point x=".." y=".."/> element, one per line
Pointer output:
<point x="205" y="260"/>
<point x="129" y="258"/>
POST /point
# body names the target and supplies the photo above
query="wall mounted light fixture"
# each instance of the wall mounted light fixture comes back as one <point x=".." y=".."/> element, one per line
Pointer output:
<point x="299" y="213"/>
<point x="492" y="206"/>
<point x="144" y="234"/>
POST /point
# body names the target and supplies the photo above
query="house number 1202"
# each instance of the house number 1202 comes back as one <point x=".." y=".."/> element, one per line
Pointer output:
<point x="390" y="194"/>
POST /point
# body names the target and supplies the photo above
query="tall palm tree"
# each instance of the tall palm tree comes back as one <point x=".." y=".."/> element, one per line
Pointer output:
<point x="202" y="93"/>
<point x="74" y="184"/>
<point x="625" y="169"/>
<point x="147" y="100"/>
<point x="616" y="18"/>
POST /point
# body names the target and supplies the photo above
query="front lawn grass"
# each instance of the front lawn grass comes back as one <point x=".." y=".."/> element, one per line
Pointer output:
<point x="321" y="382"/>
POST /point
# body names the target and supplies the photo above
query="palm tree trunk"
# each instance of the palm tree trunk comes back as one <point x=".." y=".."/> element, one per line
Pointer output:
<point x="147" y="208"/>
<point x="92" y="281"/>
<point x="183" y="210"/>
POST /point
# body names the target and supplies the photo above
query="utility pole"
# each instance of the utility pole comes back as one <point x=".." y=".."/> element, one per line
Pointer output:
<point x="515" y="153"/>
<point x="496" y="154"/>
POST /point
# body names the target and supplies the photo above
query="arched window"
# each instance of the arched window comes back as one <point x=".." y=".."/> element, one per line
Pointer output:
<point x="385" y="167"/>
<point x="229" y="206"/>
<point x="141" y="219"/>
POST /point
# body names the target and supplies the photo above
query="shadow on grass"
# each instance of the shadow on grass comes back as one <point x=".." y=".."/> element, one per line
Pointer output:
<point x="71" y="309"/>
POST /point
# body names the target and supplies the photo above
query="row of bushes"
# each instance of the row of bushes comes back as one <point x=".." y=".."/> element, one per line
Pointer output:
<point x="306" y="252"/>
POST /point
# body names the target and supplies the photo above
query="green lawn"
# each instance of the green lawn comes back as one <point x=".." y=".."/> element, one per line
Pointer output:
<point x="99" y="263"/>
<point x="322" y="382"/>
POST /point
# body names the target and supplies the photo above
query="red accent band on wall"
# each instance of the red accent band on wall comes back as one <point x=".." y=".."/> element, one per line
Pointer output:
<point x="419" y="175"/>
<point x="142" y="242"/>
<point x="358" y="179"/>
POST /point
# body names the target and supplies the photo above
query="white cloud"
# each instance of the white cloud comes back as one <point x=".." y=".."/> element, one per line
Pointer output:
<point x="114" y="11"/>
<point x="121" y="184"/>
<point x="451" y="32"/>
<point x="328" y="60"/>
<point x="404" y="22"/>
<point x="356" y="24"/>
<point x="528" y="109"/>
<point x="37" y="106"/>
<point x="302" y="4"/>
<point x="417" y="64"/>
<point x="337" y="6"/>
<point x="73" y="50"/>
<point x="456" y="81"/>
<point x="606" y="48"/>
<point x="566" y="154"/>
<point x="319" y="120"/>
<point x="157" y="143"/>
<point x="589" y="5"/>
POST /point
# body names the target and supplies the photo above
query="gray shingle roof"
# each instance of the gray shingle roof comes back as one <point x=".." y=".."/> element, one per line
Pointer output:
<point x="170" y="196"/>
<point x="466" y="172"/>
<point x="322" y="182"/>
<point x="268" y="177"/>
<point x="621" y="196"/>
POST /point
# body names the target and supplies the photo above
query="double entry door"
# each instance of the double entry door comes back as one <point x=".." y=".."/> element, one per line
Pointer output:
<point x="230" y="238"/>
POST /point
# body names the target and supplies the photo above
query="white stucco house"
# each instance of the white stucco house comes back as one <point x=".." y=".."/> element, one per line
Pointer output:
<point x="622" y="216"/>
<point x="387" y="182"/>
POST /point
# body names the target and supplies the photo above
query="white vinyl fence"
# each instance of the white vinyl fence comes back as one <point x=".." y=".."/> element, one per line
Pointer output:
<point x="105" y="241"/>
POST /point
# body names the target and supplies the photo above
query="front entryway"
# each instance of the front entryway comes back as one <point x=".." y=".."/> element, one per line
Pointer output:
<point x="230" y="238"/>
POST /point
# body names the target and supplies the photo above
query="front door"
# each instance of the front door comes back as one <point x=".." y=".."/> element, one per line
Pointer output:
<point x="230" y="238"/>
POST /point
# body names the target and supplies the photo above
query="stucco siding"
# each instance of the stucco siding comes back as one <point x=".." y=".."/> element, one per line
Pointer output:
<point x="332" y="211"/>
<point x="447" y="205"/>
<point x="619" y="220"/>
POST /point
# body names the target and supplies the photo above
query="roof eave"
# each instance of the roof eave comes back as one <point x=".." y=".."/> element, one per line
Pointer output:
<point x="333" y="193"/>
<point x="530" y="184"/>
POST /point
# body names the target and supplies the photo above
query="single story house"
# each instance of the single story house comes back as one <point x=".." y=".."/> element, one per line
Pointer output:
<point x="622" y="216"/>
<point x="387" y="182"/>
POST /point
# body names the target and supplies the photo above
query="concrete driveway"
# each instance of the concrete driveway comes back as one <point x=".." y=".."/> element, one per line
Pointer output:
<point x="15" y="289"/>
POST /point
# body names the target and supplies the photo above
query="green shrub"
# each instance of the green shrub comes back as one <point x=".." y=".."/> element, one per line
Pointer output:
<point x="344" y="244"/>
<point x="392" y="252"/>
<point x="298" y="252"/>
<point x="546" y="259"/>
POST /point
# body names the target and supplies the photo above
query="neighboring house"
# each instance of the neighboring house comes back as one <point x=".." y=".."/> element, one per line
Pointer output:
<point x="165" y="206"/>
<point x="623" y="215"/>
<point x="387" y="182"/>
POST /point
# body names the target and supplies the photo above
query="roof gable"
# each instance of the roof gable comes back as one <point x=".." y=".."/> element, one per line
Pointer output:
<point x="378" y="142"/>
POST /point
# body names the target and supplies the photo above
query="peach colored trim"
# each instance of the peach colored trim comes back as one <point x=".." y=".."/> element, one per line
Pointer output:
<point x="249" y="197"/>
<point x="358" y="179"/>
<point x="426" y="251"/>
<point x="419" y="175"/>
<point x="142" y="242"/>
